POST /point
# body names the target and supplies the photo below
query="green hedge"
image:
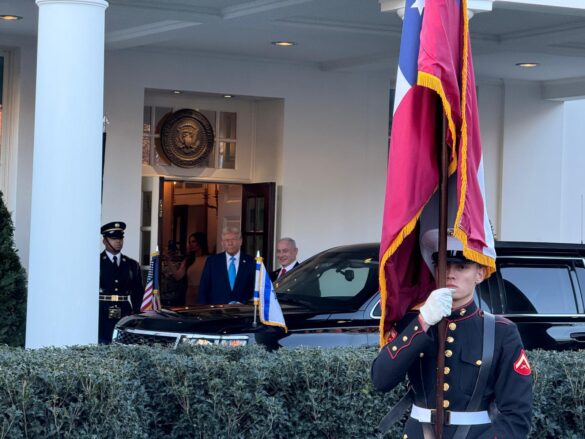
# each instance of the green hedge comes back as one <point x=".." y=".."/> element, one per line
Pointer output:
<point x="12" y="284"/>
<point x="141" y="392"/>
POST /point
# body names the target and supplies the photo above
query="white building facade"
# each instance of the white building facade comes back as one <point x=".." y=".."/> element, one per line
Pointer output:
<point x="320" y="133"/>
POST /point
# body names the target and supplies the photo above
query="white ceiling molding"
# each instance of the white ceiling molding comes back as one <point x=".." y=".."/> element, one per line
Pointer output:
<point x="541" y="5"/>
<point x="549" y="35"/>
<point x="376" y="59"/>
<point x="146" y="33"/>
<point x="171" y="6"/>
<point x="475" y="6"/>
<point x="340" y="26"/>
<point x="563" y="90"/>
<point x="556" y="40"/>
<point x="257" y="7"/>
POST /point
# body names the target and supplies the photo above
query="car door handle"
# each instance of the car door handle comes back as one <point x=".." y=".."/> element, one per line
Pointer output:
<point x="578" y="336"/>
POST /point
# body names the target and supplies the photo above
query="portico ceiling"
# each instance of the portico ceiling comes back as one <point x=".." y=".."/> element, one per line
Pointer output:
<point x="346" y="35"/>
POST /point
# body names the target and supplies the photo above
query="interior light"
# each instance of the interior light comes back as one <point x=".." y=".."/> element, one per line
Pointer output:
<point x="177" y="92"/>
<point x="527" y="65"/>
<point x="10" y="17"/>
<point x="228" y="96"/>
<point x="284" y="43"/>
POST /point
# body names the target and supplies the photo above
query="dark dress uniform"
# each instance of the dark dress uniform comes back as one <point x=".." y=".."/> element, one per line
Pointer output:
<point x="509" y="385"/>
<point x="124" y="281"/>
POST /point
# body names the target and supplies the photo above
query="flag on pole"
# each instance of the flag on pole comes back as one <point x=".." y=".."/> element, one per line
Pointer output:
<point x="151" y="298"/>
<point x="265" y="298"/>
<point x="435" y="64"/>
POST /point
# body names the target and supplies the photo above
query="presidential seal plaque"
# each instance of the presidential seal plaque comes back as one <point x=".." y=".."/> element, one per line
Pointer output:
<point x="186" y="138"/>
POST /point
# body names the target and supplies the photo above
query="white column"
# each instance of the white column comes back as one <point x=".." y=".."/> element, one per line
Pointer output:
<point x="65" y="214"/>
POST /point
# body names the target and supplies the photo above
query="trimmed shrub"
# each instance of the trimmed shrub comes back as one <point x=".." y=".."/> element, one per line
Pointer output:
<point x="215" y="392"/>
<point x="12" y="284"/>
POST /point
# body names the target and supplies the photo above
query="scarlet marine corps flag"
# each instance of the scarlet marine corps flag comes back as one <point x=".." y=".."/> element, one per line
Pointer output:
<point x="435" y="66"/>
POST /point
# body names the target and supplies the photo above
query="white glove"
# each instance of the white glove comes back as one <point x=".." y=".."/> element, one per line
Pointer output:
<point x="437" y="306"/>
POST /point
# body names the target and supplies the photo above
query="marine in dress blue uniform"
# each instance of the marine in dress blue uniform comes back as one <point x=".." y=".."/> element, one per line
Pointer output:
<point x="121" y="287"/>
<point x="505" y="404"/>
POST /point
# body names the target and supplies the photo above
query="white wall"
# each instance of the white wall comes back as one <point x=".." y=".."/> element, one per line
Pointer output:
<point x="532" y="165"/>
<point x="334" y="160"/>
<point x="491" y="112"/>
<point x="573" y="165"/>
<point x="23" y="90"/>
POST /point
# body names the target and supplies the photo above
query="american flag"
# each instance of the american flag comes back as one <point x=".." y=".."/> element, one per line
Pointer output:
<point x="151" y="298"/>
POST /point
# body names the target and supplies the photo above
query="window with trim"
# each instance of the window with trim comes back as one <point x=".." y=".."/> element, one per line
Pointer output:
<point x="224" y="125"/>
<point x="539" y="289"/>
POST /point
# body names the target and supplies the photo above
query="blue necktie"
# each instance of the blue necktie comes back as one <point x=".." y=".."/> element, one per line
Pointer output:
<point x="232" y="272"/>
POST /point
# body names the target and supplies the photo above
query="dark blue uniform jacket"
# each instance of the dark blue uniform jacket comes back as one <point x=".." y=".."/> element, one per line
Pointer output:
<point x="413" y="353"/>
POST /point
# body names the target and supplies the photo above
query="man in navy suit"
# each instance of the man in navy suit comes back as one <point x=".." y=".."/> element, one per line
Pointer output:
<point x="286" y="256"/>
<point x="228" y="276"/>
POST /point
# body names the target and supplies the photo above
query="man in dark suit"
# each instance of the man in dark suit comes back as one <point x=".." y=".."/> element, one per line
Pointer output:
<point x="286" y="255"/>
<point x="228" y="276"/>
<point x="121" y="287"/>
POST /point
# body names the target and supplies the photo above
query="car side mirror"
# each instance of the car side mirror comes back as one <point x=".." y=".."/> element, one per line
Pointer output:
<point x="349" y="275"/>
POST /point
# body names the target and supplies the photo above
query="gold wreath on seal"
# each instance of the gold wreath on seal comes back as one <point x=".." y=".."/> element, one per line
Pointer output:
<point x="187" y="138"/>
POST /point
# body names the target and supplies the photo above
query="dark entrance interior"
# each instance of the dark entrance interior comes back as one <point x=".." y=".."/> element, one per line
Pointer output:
<point x="204" y="209"/>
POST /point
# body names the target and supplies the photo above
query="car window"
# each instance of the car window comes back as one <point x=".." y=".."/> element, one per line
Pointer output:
<point x="335" y="279"/>
<point x="377" y="311"/>
<point x="343" y="283"/>
<point x="538" y="289"/>
<point x="580" y="270"/>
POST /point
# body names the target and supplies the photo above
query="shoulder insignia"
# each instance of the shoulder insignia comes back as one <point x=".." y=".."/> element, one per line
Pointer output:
<point x="521" y="365"/>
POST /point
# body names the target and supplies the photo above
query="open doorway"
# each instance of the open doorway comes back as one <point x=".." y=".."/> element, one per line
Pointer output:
<point x="191" y="216"/>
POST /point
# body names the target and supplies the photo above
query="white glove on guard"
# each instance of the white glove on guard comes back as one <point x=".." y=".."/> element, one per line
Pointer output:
<point x="437" y="306"/>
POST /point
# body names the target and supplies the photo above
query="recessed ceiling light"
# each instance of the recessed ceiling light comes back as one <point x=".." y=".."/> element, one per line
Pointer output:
<point x="177" y="92"/>
<point x="10" y="17"/>
<point x="527" y="65"/>
<point x="284" y="43"/>
<point x="228" y="96"/>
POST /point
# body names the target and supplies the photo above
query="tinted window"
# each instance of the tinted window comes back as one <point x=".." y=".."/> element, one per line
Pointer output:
<point x="377" y="311"/>
<point x="343" y="283"/>
<point x="538" y="289"/>
<point x="335" y="279"/>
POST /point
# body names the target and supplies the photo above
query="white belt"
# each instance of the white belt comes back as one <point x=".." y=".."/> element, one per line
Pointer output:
<point x="451" y="418"/>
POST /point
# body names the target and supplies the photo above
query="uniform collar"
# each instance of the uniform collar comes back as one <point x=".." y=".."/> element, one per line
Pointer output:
<point x="464" y="311"/>
<point x="111" y="256"/>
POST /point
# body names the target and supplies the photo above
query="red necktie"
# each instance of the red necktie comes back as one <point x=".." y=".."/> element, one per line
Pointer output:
<point x="282" y="272"/>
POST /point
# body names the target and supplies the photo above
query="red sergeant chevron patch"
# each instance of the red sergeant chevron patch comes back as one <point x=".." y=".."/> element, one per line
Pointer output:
<point x="521" y="365"/>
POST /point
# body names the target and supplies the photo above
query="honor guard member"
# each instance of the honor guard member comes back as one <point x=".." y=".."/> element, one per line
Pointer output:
<point x="121" y="288"/>
<point x="487" y="378"/>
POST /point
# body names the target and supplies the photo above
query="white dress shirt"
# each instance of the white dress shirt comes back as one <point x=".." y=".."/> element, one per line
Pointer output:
<point x="111" y="257"/>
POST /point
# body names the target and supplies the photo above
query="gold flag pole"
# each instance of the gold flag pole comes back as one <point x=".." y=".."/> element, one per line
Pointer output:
<point x="257" y="291"/>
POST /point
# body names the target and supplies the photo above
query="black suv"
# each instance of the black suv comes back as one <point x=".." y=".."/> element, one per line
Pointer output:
<point x="332" y="299"/>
